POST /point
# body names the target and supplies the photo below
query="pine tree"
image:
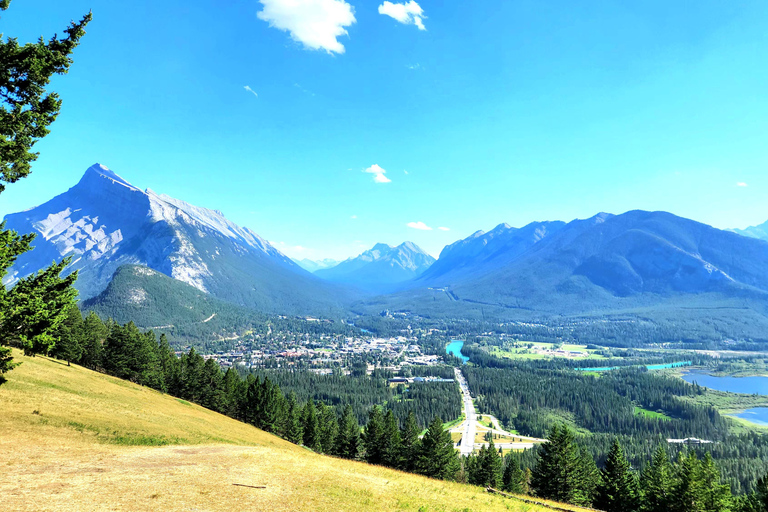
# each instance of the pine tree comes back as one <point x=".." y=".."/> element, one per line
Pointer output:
<point x="587" y="480"/>
<point x="688" y="493"/>
<point x="409" y="439"/>
<point x="348" y="442"/>
<point x="437" y="458"/>
<point x="269" y="405"/>
<point x="168" y="365"/>
<point x="36" y="306"/>
<point x="512" y="480"/>
<point x="487" y="469"/>
<point x="26" y="111"/>
<point x="191" y="366"/>
<point x="717" y="496"/>
<point x="94" y="334"/>
<point x="618" y="490"/>
<point x="393" y="449"/>
<point x="527" y="477"/>
<point x="6" y="362"/>
<point x="233" y="393"/>
<point x="212" y="386"/>
<point x="373" y="436"/>
<point x="559" y="473"/>
<point x="147" y="365"/>
<point x="329" y="428"/>
<point x="68" y="336"/>
<point x="295" y="432"/>
<point x="472" y="468"/>
<point x="311" y="427"/>
<point x="12" y="245"/>
<point x="761" y="492"/>
<point x="656" y="483"/>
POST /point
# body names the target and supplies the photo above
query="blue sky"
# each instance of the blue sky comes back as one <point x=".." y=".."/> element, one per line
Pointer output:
<point x="476" y="112"/>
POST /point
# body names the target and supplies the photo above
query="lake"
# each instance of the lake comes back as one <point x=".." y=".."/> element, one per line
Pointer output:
<point x="454" y="348"/>
<point x="758" y="415"/>
<point x="747" y="385"/>
<point x="648" y="366"/>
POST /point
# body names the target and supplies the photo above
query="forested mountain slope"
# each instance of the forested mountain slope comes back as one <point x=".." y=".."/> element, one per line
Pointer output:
<point x="153" y="300"/>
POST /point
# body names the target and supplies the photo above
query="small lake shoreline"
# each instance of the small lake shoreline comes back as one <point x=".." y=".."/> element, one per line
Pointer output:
<point x="454" y="348"/>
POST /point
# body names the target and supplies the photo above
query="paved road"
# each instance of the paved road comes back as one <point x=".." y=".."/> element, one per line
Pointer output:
<point x="470" y="424"/>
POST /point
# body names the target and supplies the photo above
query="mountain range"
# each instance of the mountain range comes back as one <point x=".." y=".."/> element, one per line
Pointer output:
<point x="639" y="262"/>
<point x="104" y="222"/>
<point x="380" y="269"/>
<point x="608" y="263"/>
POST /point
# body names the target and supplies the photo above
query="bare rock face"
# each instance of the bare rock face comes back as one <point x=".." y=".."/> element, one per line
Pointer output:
<point x="104" y="222"/>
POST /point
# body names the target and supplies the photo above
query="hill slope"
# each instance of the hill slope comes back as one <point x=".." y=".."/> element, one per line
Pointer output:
<point x="155" y="301"/>
<point x="104" y="222"/>
<point x="66" y="432"/>
<point x="381" y="268"/>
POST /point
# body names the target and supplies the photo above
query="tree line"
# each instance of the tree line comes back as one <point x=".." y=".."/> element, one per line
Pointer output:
<point x="565" y="472"/>
<point x="533" y="396"/>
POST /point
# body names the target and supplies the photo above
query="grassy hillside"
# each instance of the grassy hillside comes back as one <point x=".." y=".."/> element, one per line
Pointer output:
<point x="79" y="440"/>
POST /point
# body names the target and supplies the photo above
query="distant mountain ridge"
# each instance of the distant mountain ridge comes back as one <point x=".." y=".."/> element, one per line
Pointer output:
<point x="104" y="222"/>
<point x="381" y="268"/>
<point x="760" y="231"/>
<point x="483" y="251"/>
<point x="632" y="254"/>
<point x="314" y="266"/>
<point x="649" y="261"/>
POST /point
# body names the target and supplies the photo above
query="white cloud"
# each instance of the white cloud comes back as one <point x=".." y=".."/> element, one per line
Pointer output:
<point x="353" y="217"/>
<point x="314" y="23"/>
<point x="406" y="172"/>
<point x="378" y="174"/>
<point x="409" y="13"/>
<point x="248" y="88"/>
<point x="441" y="228"/>
<point x="419" y="225"/>
<point x="292" y="251"/>
<point x="741" y="184"/>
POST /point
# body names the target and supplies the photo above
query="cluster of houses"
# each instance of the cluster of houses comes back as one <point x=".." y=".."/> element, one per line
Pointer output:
<point x="410" y="380"/>
<point x="326" y="351"/>
<point x="689" y="440"/>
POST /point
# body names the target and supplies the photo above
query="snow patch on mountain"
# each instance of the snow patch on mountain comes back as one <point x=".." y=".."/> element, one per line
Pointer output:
<point x="104" y="222"/>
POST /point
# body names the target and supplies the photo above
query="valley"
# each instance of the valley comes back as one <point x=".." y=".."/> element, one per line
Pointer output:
<point x="476" y="256"/>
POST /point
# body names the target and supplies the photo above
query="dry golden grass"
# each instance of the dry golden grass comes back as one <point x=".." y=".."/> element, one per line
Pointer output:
<point x="65" y="442"/>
